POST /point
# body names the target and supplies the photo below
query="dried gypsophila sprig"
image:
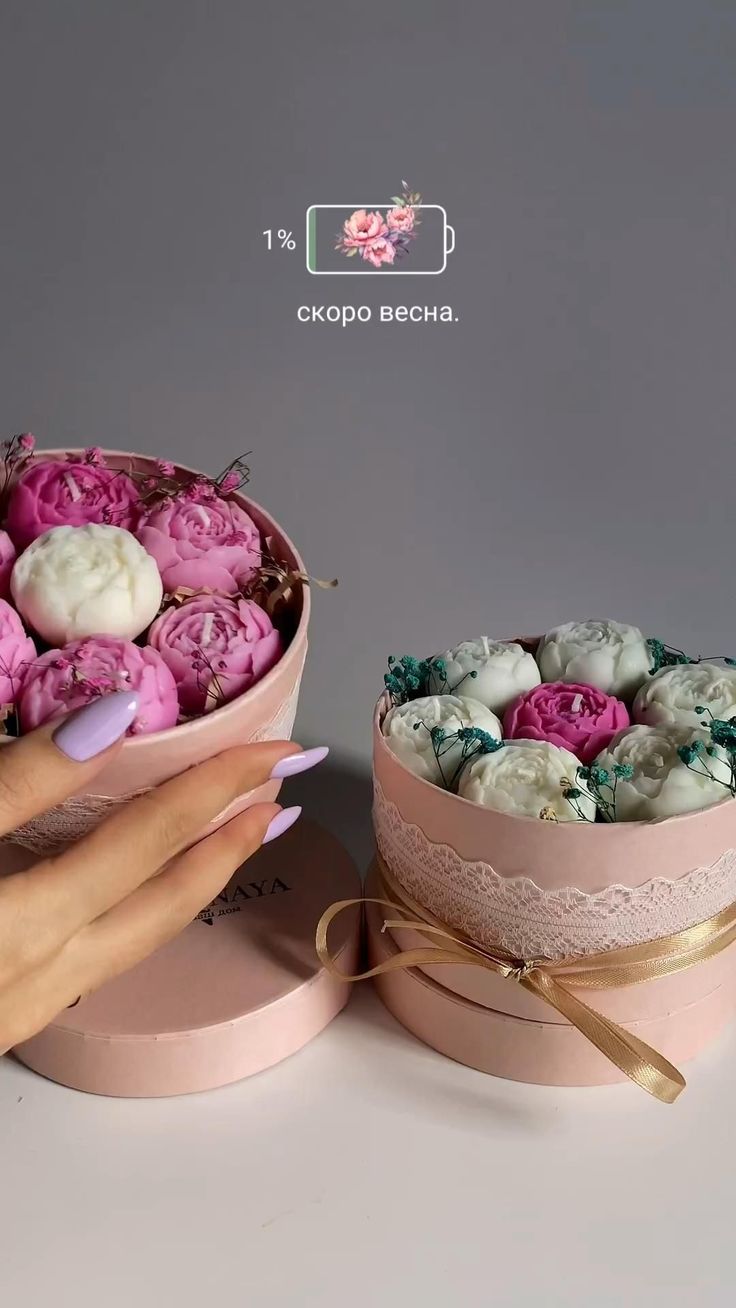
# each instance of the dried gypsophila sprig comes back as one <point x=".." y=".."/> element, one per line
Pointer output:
<point x="407" y="678"/>
<point x="474" y="741"/>
<point x="410" y="678"/>
<point x="15" y="453"/>
<point x="599" y="785"/>
<point x="159" y="489"/>
<point x="90" y="685"/>
<point x="668" y="656"/>
<point x="722" y="733"/>
<point x="208" y="680"/>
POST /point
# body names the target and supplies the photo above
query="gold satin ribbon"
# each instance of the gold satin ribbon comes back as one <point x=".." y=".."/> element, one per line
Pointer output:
<point x="550" y="980"/>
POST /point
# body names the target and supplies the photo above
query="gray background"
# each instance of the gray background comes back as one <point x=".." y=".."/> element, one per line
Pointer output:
<point x="565" y="450"/>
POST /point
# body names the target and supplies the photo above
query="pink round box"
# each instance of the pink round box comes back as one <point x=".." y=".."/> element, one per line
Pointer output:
<point x="522" y="1048"/>
<point x="238" y="991"/>
<point x="241" y="988"/>
<point x="265" y="712"/>
<point x="541" y="889"/>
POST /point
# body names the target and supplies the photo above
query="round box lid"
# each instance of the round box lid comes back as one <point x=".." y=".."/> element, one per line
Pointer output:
<point x="240" y="989"/>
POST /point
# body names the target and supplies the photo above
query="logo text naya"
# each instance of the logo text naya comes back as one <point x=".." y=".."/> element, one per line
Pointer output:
<point x="233" y="897"/>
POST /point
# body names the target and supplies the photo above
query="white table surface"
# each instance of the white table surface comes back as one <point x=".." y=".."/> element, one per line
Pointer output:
<point x="368" y="1170"/>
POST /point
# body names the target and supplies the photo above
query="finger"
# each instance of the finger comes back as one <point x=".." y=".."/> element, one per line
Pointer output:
<point x="140" y="838"/>
<point x="45" y="767"/>
<point x="161" y="908"/>
<point x="126" y="934"/>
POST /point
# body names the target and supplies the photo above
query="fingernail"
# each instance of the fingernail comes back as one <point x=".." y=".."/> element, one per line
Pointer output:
<point x="95" y="727"/>
<point x="281" y="823"/>
<point x="296" y="763"/>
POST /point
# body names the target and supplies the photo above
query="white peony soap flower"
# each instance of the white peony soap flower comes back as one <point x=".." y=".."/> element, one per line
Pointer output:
<point x="672" y="695"/>
<point x="494" y="672"/>
<point x="662" y="783"/>
<point x="407" y="729"/>
<point x="86" y="581"/>
<point x="612" y="656"/>
<point x="528" y="778"/>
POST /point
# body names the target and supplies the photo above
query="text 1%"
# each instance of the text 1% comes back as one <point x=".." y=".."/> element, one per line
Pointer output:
<point x="280" y="240"/>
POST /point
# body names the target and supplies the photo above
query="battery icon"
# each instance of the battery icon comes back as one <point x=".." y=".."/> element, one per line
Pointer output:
<point x="344" y="239"/>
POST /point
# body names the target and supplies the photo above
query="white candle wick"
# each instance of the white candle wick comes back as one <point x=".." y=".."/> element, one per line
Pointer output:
<point x="577" y="704"/>
<point x="204" y="515"/>
<point x="72" y="487"/>
<point x="207" y="629"/>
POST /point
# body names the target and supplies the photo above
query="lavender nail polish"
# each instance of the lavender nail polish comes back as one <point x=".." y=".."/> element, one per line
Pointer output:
<point x="281" y="823"/>
<point x="296" y="763"/>
<point x="95" y="727"/>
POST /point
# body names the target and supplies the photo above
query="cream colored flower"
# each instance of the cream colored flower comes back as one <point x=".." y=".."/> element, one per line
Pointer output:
<point x="612" y="656"/>
<point x="662" y="783"/>
<point x="494" y="672"/>
<point x="86" y="581"/>
<point x="408" y="732"/>
<point x="529" y="778"/>
<point x="671" y="696"/>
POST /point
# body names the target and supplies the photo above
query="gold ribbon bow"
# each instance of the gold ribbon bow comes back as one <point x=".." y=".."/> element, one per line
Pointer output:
<point x="550" y="980"/>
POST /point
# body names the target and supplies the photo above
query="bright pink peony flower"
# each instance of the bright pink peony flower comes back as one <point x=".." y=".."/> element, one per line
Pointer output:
<point x="17" y="654"/>
<point x="52" y="493"/>
<point x="379" y="251"/>
<point x="7" y="560"/>
<point x="400" y="219"/>
<point x="579" y="718"/>
<point x="213" y="545"/>
<point x="362" y="227"/>
<point x="64" y="679"/>
<point x="217" y="648"/>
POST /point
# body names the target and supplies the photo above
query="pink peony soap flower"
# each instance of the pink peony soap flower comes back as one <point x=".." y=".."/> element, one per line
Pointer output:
<point x="54" y="493"/>
<point x="7" y="560"/>
<point x="17" y="654"/>
<point x="213" y="545"/>
<point x="216" y="648"/>
<point x="65" y="679"/>
<point x="362" y="227"/>
<point x="379" y="251"/>
<point x="578" y="718"/>
<point x="400" y="219"/>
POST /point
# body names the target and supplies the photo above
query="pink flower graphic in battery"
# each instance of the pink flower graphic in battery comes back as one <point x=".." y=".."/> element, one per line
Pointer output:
<point x="382" y="238"/>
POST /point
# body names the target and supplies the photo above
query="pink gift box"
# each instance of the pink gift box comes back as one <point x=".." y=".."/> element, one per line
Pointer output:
<point x="524" y="1048"/>
<point x="539" y="889"/>
<point x="265" y="712"/>
<point x="238" y="991"/>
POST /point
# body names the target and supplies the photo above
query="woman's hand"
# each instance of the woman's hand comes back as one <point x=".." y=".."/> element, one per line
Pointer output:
<point x="71" y="922"/>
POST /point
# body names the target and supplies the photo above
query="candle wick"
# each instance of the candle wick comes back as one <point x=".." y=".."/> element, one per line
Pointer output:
<point x="204" y="515"/>
<point x="207" y="629"/>
<point x="577" y="704"/>
<point x="72" y="487"/>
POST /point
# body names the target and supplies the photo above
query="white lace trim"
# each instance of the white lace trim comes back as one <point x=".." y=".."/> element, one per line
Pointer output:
<point x="77" y="816"/>
<point x="528" y="922"/>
